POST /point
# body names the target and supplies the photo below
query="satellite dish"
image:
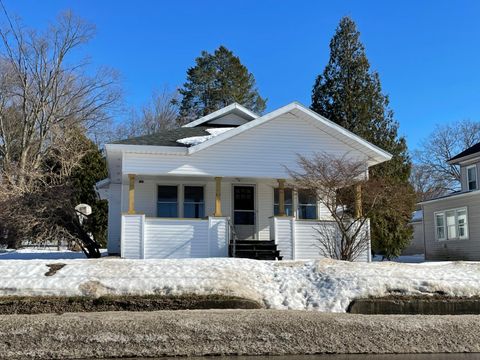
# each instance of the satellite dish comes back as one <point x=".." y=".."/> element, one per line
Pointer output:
<point x="84" y="209"/>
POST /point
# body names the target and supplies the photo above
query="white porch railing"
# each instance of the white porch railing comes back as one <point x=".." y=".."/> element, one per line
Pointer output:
<point x="159" y="238"/>
<point x="299" y="239"/>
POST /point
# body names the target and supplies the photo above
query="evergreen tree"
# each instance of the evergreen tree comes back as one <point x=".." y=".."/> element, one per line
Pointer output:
<point x="350" y="94"/>
<point x="217" y="80"/>
<point x="92" y="169"/>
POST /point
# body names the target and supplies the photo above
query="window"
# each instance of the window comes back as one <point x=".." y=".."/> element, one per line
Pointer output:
<point x="288" y="202"/>
<point x="451" y="224"/>
<point x="307" y="205"/>
<point x="472" y="177"/>
<point x="193" y="202"/>
<point x="440" y="226"/>
<point x="167" y="201"/>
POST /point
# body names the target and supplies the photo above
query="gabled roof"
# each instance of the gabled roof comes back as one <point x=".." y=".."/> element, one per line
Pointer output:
<point x="166" y="142"/>
<point x="232" y="108"/>
<point x="472" y="150"/>
<point x="167" y="137"/>
<point x="297" y="109"/>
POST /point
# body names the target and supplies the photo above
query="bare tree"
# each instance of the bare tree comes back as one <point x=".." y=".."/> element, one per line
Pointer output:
<point x="341" y="184"/>
<point x="160" y="113"/>
<point x="441" y="145"/>
<point x="425" y="185"/>
<point x="47" y="103"/>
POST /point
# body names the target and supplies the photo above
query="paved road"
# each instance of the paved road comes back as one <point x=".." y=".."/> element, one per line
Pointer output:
<point x="246" y="332"/>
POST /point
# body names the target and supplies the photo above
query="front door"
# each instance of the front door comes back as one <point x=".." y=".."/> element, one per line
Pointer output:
<point x="244" y="211"/>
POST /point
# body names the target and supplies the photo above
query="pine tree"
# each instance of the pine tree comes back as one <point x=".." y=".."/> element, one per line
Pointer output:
<point x="350" y="94"/>
<point x="217" y="80"/>
<point x="93" y="168"/>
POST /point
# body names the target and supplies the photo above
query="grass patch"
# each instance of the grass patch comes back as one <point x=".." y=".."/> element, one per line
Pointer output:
<point x="55" y="304"/>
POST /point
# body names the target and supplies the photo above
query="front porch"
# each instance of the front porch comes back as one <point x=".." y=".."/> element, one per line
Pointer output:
<point x="197" y="217"/>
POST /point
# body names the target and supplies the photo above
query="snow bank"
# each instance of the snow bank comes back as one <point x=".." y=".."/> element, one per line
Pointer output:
<point x="325" y="285"/>
<point x="195" y="140"/>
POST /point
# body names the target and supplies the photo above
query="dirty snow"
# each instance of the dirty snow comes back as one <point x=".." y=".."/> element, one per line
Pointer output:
<point x="325" y="285"/>
<point x="43" y="254"/>
<point x="195" y="140"/>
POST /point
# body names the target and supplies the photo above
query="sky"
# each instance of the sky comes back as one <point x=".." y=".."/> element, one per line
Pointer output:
<point x="426" y="52"/>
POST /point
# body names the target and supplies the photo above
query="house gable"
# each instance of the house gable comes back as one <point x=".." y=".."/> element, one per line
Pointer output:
<point x="266" y="150"/>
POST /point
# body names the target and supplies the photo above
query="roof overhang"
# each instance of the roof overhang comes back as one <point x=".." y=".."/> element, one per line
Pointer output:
<point x="458" y="161"/>
<point x="232" y="108"/>
<point x="373" y="152"/>
<point x="454" y="196"/>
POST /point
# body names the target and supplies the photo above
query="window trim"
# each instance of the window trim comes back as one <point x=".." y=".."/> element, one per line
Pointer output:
<point x="178" y="202"/>
<point x="183" y="200"/>
<point x="298" y="204"/>
<point x="474" y="166"/>
<point x="443" y="213"/>
<point x="286" y="204"/>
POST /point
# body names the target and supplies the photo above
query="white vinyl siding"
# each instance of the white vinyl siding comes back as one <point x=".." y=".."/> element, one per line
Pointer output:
<point x="451" y="224"/>
<point x="246" y="154"/>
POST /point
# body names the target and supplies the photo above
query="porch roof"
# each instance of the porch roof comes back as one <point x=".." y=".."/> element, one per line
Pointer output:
<point x="167" y="137"/>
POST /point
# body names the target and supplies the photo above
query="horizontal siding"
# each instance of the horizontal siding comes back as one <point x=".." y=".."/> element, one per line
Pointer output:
<point x="132" y="236"/>
<point x="176" y="239"/>
<point x="246" y="154"/>
<point x="284" y="236"/>
<point x="307" y="240"/>
<point x="218" y="237"/>
<point x="308" y="243"/>
<point x="417" y="245"/>
<point x="468" y="249"/>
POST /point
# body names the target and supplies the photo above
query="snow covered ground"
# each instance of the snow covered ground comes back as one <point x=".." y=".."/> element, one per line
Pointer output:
<point x="43" y="254"/>
<point x="325" y="285"/>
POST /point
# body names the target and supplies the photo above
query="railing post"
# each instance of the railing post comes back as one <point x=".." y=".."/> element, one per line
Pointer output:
<point x="131" y="194"/>
<point x="281" y="197"/>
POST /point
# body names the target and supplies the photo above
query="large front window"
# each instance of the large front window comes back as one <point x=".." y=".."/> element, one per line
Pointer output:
<point x="307" y="205"/>
<point x="451" y="224"/>
<point x="193" y="202"/>
<point x="167" y="201"/>
<point x="288" y="202"/>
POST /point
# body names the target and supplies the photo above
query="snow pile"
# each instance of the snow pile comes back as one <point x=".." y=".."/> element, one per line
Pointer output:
<point x="325" y="285"/>
<point x="195" y="140"/>
<point x="43" y="253"/>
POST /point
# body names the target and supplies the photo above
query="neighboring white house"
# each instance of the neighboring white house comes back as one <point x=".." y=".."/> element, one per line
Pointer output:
<point x="192" y="191"/>
<point x="451" y="226"/>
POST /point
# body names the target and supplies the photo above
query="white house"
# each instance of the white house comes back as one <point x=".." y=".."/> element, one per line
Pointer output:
<point x="217" y="186"/>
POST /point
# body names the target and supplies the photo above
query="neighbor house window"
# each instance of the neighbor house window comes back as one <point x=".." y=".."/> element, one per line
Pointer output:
<point x="167" y="201"/>
<point x="307" y="205"/>
<point x="288" y="202"/>
<point x="472" y="177"/>
<point x="193" y="202"/>
<point x="451" y="224"/>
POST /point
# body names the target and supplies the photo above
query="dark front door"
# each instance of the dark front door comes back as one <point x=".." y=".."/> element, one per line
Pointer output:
<point x="244" y="211"/>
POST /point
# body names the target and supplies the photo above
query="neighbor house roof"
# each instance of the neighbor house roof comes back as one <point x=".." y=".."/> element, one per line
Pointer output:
<point x="167" y="137"/>
<point x="472" y="150"/>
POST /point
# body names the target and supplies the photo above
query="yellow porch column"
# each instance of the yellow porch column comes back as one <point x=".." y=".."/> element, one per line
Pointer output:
<point x="131" y="194"/>
<point x="358" y="201"/>
<point x="218" y="196"/>
<point x="281" y="197"/>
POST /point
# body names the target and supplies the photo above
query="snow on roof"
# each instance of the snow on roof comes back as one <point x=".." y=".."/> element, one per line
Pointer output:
<point x="417" y="216"/>
<point x="195" y="140"/>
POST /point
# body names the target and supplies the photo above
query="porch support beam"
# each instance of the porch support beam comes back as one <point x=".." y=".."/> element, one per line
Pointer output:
<point x="218" y="197"/>
<point x="358" y="201"/>
<point x="281" y="197"/>
<point x="131" y="193"/>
